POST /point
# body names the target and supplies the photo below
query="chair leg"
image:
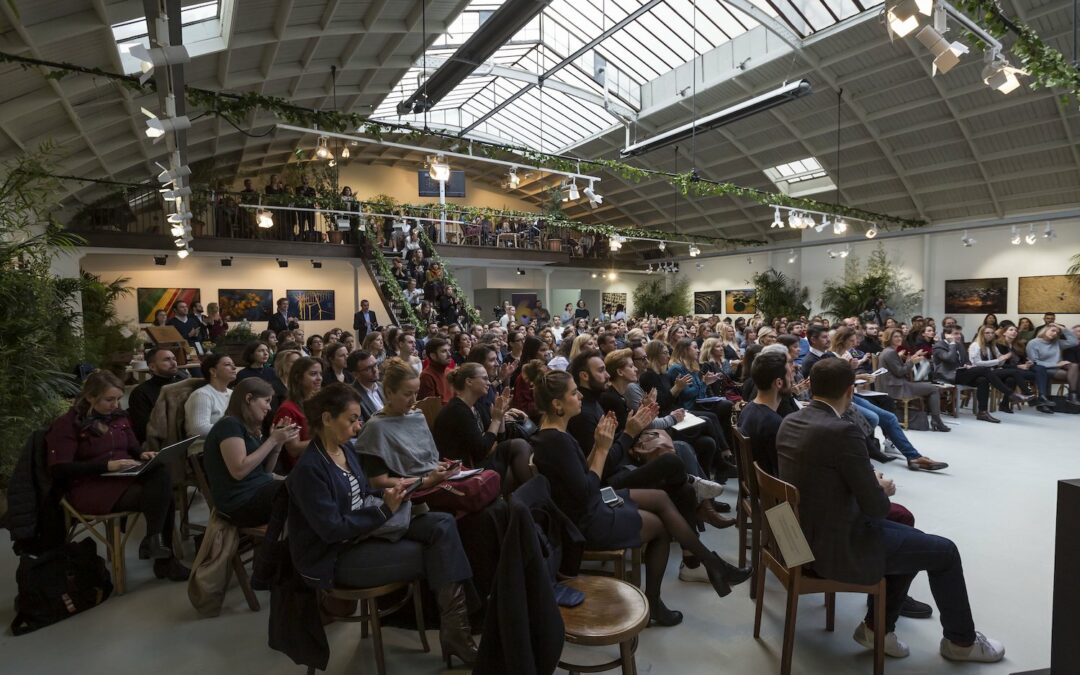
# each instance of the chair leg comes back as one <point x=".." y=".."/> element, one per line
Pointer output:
<point x="626" y="654"/>
<point x="635" y="566"/>
<point x="419" y="606"/>
<point x="830" y="612"/>
<point x="618" y="568"/>
<point x="364" y="611"/>
<point x="755" y="547"/>
<point x="790" y="614"/>
<point x="376" y="635"/>
<point x="907" y="405"/>
<point x="760" y="599"/>
<point x="740" y="524"/>
<point x="116" y="546"/>
<point x="879" y="629"/>
<point x="245" y="583"/>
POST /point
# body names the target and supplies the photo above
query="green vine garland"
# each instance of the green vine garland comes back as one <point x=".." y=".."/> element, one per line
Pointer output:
<point x="474" y="316"/>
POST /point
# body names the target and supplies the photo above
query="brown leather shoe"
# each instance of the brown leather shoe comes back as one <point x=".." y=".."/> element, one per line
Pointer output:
<point x="708" y="514"/>
<point x="987" y="417"/>
<point x="926" y="464"/>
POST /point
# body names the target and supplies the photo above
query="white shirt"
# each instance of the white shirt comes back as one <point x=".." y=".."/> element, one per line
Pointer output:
<point x="376" y="398"/>
<point x="505" y="319"/>
<point x="203" y="408"/>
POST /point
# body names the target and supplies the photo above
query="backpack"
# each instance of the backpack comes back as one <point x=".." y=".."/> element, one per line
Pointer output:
<point x="59" y="583"/>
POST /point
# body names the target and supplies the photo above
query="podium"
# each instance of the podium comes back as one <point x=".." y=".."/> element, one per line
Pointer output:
<point x="169" y="338"/>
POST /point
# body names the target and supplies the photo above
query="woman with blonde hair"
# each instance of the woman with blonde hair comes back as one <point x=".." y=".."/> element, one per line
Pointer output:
<point x="766" y="336"/>
<point x="373" y="344"/>
<point x="583" y="342"/>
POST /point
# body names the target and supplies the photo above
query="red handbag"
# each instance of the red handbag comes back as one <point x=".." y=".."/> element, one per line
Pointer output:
<point x="462" y="497"/>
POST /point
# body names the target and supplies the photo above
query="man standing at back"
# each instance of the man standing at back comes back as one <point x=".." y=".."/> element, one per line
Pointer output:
<point x="364" y="321"/>
<point x="842" y="510"/>
<point x="189" y="327"/>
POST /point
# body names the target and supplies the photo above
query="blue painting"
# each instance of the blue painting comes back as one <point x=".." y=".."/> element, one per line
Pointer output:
<point x="311" y="305"/>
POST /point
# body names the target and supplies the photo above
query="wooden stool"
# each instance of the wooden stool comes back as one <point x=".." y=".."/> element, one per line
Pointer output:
<point x="370" y="613"/>
<point x="614" y="612"/>
<point x="117" y="529"/>
<point x="618" y="558"/>
<point x="906" y="403"/>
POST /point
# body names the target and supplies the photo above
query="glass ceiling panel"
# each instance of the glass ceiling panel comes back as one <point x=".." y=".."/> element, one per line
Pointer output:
<point x="663" y="37"/>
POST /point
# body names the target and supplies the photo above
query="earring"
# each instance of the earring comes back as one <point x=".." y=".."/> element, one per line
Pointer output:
<point x="559" y="412"/>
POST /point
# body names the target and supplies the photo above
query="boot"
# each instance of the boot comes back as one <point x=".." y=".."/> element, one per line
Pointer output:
<point x="706" y="512"/>
<point x="937" y="425"/>
<point x="153" y="546"/>
<point x="660" y="615"/>
<point x="455" y="637"/>
<point x="171" y="569"/>
<point x="722" y="574"/>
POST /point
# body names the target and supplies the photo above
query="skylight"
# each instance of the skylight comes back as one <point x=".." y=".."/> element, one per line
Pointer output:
<point x="205" y="30"/>
<point x="801" y="178"/>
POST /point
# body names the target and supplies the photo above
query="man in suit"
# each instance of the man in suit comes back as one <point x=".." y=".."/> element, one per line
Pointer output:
<point x="281" y="320"/>
<point x="364" y="321"/>
<point x="842" y="511"/>
<point x="365" y="372"/>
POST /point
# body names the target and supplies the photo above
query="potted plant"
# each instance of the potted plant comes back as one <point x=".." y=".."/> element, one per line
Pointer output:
<point x="777" y="294"/>
<point x="234" y="341"/>
<point x="108" y="342"/>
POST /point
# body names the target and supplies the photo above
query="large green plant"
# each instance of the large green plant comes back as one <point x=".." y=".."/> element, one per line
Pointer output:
<point x="39" y="344"/>
<point x="653" y="297"/>
<point x="777" y="294"/>
<point x="860" y="287"/>
<point x="1074" y="270"/>
<point x="108" y="342"/>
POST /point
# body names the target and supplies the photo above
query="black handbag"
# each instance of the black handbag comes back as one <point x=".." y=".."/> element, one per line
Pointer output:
<point x="524" y="429"/>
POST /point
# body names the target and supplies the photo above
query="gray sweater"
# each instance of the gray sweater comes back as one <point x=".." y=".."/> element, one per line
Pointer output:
<point x="1048" y="354"/>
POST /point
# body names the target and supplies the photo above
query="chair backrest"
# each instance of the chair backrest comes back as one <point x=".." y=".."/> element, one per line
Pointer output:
<point x="430" y="406"/>
<point x="167" y="424"/>
<point x="773" y="491"/>
<point x="195" y="461"/>
<point x="748" y="484"/>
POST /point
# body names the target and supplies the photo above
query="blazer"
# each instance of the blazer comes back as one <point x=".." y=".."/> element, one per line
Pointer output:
<point x="368" y="406"/>
<point x="841" y="504"/>
<point x="278" y="323"/>
<point x="360" y="325"/>
<point x="948" y="357"/>
<point x="896" y="382"/>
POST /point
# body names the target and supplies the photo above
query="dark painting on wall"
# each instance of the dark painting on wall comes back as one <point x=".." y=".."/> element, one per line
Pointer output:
<point x="245" y="303"/>
<point x="1053" y="293"/>
<point x="977" y="296"/>
<point x="311" y="305"/>
<point x="708" y="302"/>
<point x="740" y="301"/>
<point x="612" y="300"/>
<point x="150" y="300"/>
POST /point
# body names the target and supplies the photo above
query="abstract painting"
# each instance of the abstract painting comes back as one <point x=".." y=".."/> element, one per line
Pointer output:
<point x="1054" y="293"/>
<point x="708" y="302"/>
<point x="740" y="301"/>
<point x="524" y="306"/>
<point x="150" y="300"/>
<point x="977" y="296"/>
<point x="613" y="300"/>
<point x="245" y="303"/>
<point x="311" y="305"/>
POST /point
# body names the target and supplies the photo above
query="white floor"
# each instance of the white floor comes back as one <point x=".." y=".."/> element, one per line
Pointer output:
<point x="996" y="501"/>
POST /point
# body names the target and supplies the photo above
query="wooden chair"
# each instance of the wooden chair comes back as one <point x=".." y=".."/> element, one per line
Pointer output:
<point x="115" y="530"/>
<point x="747" y="509"/>
<point x="905" y="404"/>
<point x="798" y="582"/>
<point x="370" y="614"/>
<point x="618" y="559"/>
<point x="430" y="406"/>
<point x="614" y="612"/>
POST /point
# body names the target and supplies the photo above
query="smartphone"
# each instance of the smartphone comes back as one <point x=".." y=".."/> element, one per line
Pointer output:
<point x="413" y="487"/>
<point x="610" y="498"/>
<point x="453" y="466"/>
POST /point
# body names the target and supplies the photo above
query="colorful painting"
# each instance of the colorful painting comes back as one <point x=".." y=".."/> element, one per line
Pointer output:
<point x="246" y="303"/>
<point x="150" y="300"/>
<point x="311" y="305"/>
<point x="977" y="296"/>
<point x="612" y="300"/>
<point x="708" y="302"/>
<point x="740" y="301"/>
<point x="524" y="306"/>
<point x="1054" y="293"/>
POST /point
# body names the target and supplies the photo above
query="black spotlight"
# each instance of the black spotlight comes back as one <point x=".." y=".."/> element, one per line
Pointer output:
<point x="282" y="263"/>
<point x="317" y="264"/>
<point x="160" y="259"/>
<point x="520" y="272"/>
<point x="226" y="262"/>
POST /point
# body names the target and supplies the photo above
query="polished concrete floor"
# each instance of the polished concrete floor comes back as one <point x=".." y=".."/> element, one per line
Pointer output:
<point x="997" y="501"/>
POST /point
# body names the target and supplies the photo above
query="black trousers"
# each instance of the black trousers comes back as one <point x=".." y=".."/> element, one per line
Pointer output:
<point x="151" y="495"/>
<point x="668" y="473"/>
<point x="982" y="378"/>
<point x="256" y="511"/>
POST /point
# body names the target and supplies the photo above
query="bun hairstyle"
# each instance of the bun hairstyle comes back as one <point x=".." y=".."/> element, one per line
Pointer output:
<point x="334" y="399"/>
<point x="210" y="362"/>
<point x="533" y="371"/>
<point x="551" y="387"/>
<point x="396" y="372"/>
<point x="459" y="376"/>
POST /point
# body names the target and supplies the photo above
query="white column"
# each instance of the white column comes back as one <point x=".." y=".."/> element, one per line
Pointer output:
<point x="356" y="264"/>
<point x="547" y="288"/>
<point x="927" y="274"/>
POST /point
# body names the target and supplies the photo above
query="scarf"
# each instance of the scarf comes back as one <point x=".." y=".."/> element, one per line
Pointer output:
<point x="403" y="442"/>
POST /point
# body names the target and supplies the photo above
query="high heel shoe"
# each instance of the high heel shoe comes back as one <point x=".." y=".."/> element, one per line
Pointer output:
<point x="723" y="574"/>
<point x="660" y="615"/>
<point x="937" y="425"/>
<point x="455" y="639"/>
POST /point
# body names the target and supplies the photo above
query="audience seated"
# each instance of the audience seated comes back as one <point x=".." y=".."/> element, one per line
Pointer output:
<point x="305" y="379"/>
<point x="256" y="358"/>
<point x="163" y="371"/>
<point x="207" y="404"/>
<point x="1045" y="351"/>
<point x="433" y="378"/>
<point x="897" y="383"/>
<point x="336" y="356"/>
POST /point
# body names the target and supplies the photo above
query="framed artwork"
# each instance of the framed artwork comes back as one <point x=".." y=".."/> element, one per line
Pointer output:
<point x="708" y="302"/>
<point x="740" y="301"/>
<point x="311" y="305"/>
<point x="150" y="300"/>
<point x="1054" y="293"/>
<point x="245" y="303"/>
<point x="524" y="306"/>
<point x="613" y="299"/>
<point x="977" y="296"/>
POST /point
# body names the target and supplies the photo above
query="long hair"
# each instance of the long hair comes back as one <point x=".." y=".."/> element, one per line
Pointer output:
<point x="238" y="407"/>
<point x="299" y="368"/>
<point x="681" y="355"/>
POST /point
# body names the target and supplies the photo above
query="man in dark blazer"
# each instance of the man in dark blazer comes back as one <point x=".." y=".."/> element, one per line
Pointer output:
<point x="364" y="321"/>
<point x="281" y="320"/>
<point x="365" y="372"/>
<point x="817" y="339"/>
<point x="842" y="509"/>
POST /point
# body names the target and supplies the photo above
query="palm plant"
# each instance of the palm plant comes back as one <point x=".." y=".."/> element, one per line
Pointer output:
<point x="856" y="292"/>
<point x="108" y="342"/>
<point x="1074" y="270"/>
<point x="777" y="294"/>
<point x="653" y="297"/>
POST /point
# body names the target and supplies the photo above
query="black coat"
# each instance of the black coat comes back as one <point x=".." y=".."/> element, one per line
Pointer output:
<point x="34" y="517"/>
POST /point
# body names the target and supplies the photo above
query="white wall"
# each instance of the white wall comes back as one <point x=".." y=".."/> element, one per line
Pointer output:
<point x="567" y="285"/>
<point x="206" y="273"/>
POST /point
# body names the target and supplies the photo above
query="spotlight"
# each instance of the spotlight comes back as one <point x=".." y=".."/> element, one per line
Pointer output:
<point x="822" y="225"/>
<point x="792" y="256"/>
<point x="323" y="149"/>
<point x="903" y="18"/>
<point x="675" y="268"/>
<point x="438" y="169"/>
<point x="176" y="194"/>
<point x="226" y="262"/>
<point x="265" y="218"/>
<point x="1049" y="232"/>
<point x="183" y="253"/>
<point x="571" y="192"/>
<point x="1031" y="237"/>
<point x="317" y="264"/>
<point x="595" y="200"/>
<point x="776" y="222"/>
<point x="946" y="55"/>
<point x="871" y="232"/>
<point x="520" y="272"/>
<point x="282" y="263"/>
<point x="840" y="226"/>
<point x="662" y="245"/>
<point x="172" y="175"/>
<point x="179" y="230"/>
<point x="1015" y="239"/>
<point x="700" y="266"/>
<point x="160" y="259"/>
<point x="832" y="254"/>
<point x="966" y="240"/>
<point x="998" y="74"/>
<point x="178" y="218"/>
<point x="616" y="242"/>
<point x="512" y="179"/>
<point x="649" y="269"/>
<point x="594" y="275"/>
<point x="794" y="220"/>
<point x="694" y="251"/>
<point x="844" y="252"/>
<point x="159" y="56"/>
<point x="807" y="221"/>
<point x="610" y="275"/>
<point x="157" y="126"/>
<point x="345" y="154"/>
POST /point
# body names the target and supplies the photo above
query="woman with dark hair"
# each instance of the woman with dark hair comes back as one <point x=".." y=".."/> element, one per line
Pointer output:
<point x="94" y="438"/>
<point x="581" y="312"/>
<point x="373" y="344"/>
<point x="207" y="404"/>
<point x="255" y="358"/>
<point x="1025" y="328"/>
<point x="216" y="325"/>
<point x="896" y="381"/>
<point x="270" y="338"/>
<point x="460" y="346"/>
<point x="990" y="320"/>
<point x="239" y="462"/>
<point x="161" y="318"/>
<point x="336" y="356"/>
<point x="315" y="346"/>
<point x="335" y="515"/>
<point x="390" y="342"/>
<point x="305" y="380"/>
<point x="640" y="517"/>
<point x="476" y="434"/>
<point x="349" y="340"/>
<point x="523" y="394"/>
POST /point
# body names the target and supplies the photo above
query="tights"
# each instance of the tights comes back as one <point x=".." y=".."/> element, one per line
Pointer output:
<point x="151" y="494"/>
<point x="668" y="473"/>
<point x="514" y="455"/>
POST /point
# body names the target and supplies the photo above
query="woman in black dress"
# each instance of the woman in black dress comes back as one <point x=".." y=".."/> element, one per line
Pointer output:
<point x="643" y="517"/>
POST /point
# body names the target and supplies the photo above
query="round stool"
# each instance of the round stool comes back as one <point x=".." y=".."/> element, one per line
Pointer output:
<point x="614" y="612"/>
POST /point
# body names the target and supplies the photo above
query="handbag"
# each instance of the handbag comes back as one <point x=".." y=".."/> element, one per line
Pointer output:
<point x="395" y="526"/>
<point x="463" y="496"/>
<point x="651" y="444"/>
<point x="523" y="428"/>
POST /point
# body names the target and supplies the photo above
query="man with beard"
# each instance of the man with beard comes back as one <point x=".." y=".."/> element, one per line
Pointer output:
<point x="433" y="377"/>
<point x="163" y="371"/>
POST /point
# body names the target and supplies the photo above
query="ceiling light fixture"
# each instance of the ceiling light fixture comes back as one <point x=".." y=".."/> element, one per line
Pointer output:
<point x="520" y="272"/>
<point x="156" y="127"/>
<point x="1049" y="232"/>
<point x="345" y="154"/>
<point x="662" y="245"/>
<point x="282" y="263"/>
<point x="792" y="257"/>
<point x="179" y="230"/>
<point x="570" y="192"/>
<point x="178" y="218"/>
<point x="694" y="251"/>
<point x="1031" y="237"/>
<point x="946" y="55"/>
<point x="845" y="252"/>
<point x="322" y="148"/>
<point x="903" y="16"/>
<point x="172" y="175"/>
<point x="438" y="168"/>
<point x="149" y="59"/>
<point x="615" y="242"/>
<point x="1015" y="237"/>
<point x="822" y="225"/>
<point x="649" y="269"/>
<point x="967" y="240"/>
<point x="776" y="222"/>
<point x="264" y="218"/>
<point x="160" y="259"/>
<point x="871" y="231"/>
<point x="595" y="200"/>
<point x="183" y="253"/>
<point x="998" y="74"/>
<point x="594" y="275"/>
<point x="512" y="179"/>
<point x="840" y="226"/>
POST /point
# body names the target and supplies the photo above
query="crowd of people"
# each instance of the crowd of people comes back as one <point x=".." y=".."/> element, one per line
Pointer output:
<point x="598" y="406"/>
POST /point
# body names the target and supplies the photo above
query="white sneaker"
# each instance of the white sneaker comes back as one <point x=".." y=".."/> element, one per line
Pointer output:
<point x="891" y="450"/>
<point x="893" y="646"/>
<point x="984" y="650"/>
<point x="698" y="573"/>
<point x="706" y="489"/>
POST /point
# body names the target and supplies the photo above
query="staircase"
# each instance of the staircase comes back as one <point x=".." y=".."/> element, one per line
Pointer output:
<point x="394" y="308"/>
